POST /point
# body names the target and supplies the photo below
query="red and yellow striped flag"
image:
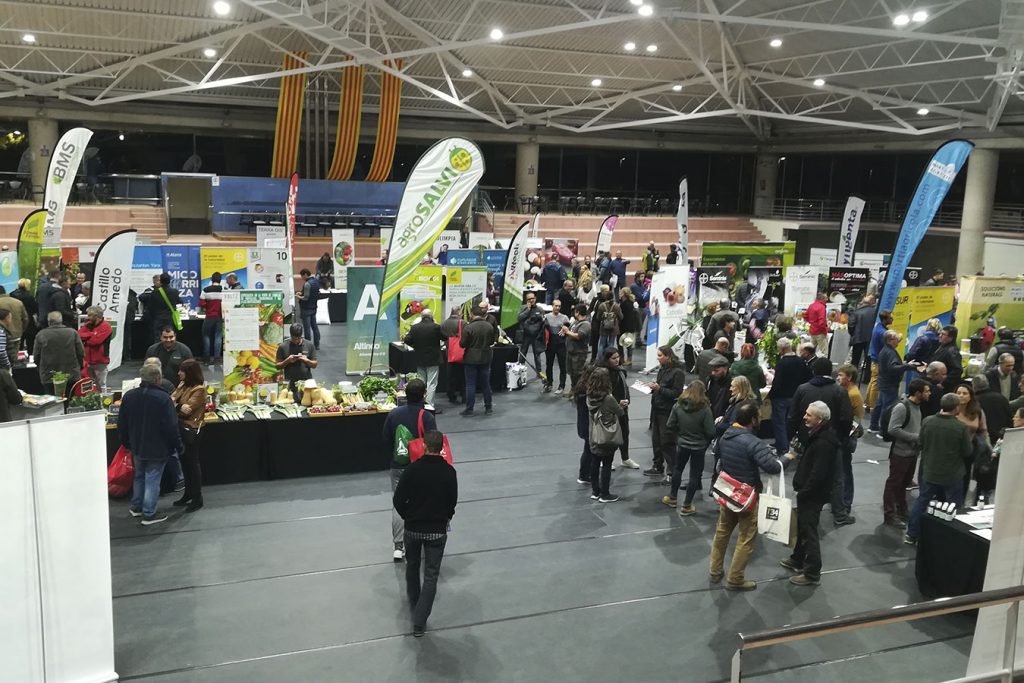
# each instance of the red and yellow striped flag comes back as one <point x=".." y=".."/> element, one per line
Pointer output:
<point x="289" y="119"/>
<point x="350" y="111"/>
<point x="387" y="125"/>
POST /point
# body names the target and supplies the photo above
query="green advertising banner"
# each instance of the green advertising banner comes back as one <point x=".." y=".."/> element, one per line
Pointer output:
<point x="364" y="287"/>
<point x="253" y="329"/>
<point x="739" y="257"/>
<point x="30" y="245"/>
<point x="422" y="291"/>
<point x="981" y="298"/>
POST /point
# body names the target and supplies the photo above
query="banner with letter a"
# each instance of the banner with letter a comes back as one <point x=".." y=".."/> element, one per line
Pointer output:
<point x="849" y="229"/>
<point x="512" y="284"/>
<point x="60" y="178"/>
<point x="110" y="279"/>
<point x="935" y="182"/>
<point x="363" y="345"/>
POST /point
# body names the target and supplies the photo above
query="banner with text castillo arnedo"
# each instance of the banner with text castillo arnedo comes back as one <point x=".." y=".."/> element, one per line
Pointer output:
<point x="364" y="287"/>
<point x="110" y="279"/>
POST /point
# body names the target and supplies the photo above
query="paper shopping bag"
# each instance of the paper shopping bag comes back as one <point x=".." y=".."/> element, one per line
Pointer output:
<point x="775" y="513"/>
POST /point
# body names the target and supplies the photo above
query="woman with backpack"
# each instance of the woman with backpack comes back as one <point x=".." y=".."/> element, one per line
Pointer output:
<point x="605" y="433"/>
<point x="694" y="427"/>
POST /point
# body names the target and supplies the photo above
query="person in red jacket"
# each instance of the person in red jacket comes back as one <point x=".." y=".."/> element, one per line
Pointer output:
<point x="96" y="334"/>
<point x="817" y="319"/>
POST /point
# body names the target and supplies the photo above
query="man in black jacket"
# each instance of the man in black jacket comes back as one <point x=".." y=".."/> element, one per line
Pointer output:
<point x="1003" y="379"/>
<point x="998" y="415"/>
<point x="862" y="321"/>
<point x="665" y="390"/>
<point x="531" y="325"/>
<point x="949" y="355"/>
<point x="1005" y="343"/>
<point x="477" y="339"/>
<point x="719" y="386"/>
<point x="161" y="303"/>
<point x="790" y="372"/>
<point x="60" y="300"/>
<point x="426" y="497"/>
<point x="821" y="387"/>
<point x="813" y="484"/>
<point x="425" y="339"/>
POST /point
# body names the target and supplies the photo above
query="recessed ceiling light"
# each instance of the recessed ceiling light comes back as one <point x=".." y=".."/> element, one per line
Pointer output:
<point x="776" y="42"/>
<point x="922" y="112"/>
<point x="636" y="3"/>
<point x="28" y="38"/>
<point x="596" y="82"/>
<point x="919" y="16"/>
<point x="221" y="8"/>
<point x="209" y="53"/>
<point x="901" y="20"/>
<point x="497" y="34"/>
<point x="120" y="136"/>
<point x="629" y="47"/>
<point x="652" y="48"/>
<point x="466" y="73"/>
<point x="645" y="10"/>
<point x="677" y="87"/>
<point x="818" y="82"/>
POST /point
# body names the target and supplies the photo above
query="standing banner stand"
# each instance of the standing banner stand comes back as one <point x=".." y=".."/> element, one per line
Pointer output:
<point x="57" y="623"/>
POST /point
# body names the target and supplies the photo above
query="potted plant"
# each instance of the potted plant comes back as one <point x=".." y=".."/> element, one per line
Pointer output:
<point x="60" y="382"/>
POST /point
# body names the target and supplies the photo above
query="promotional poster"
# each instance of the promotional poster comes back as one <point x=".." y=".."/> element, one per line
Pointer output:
<point x="110" y="285"/>
<point x="363" y="301"/>
<point x="982" y="298"/>
<point x="465" y="258"/>
<point x="422" y="291"/>
<point x="605" y="234"/>
<point x="670" y="303"/>
<point x="253" y="329"/>
<point x="763" y="282"/>
<point x="739" y="257"/>
<point x="448" y="239"/>
<point x="847" y="286"/>
<point x="565" y="250"/>
<point x="147" y="262"/>
<point x="465" y="288"/>
<point x="343" y="250"/>
<point x="65" y="160"/>
<point x="714" y="283"/>
<point x="9" y="270"/>
<point x="513" y="277"/>
<point x="181" y="262"/>
<point x="224" y="260"/>
<point x="272" y="269"/>
<point x="801" y="287"/>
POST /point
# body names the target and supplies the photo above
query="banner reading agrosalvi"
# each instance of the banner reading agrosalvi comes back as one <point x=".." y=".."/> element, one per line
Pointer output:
<point x="60" y="178"/>
<point x="512" y="284"/>
<point x="111" y="274"/>
<point x="439" y="182"/>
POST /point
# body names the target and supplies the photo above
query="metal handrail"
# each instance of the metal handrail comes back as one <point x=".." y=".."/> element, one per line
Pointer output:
<point x="1005" y="216"/>
<point x="880" y="617"/>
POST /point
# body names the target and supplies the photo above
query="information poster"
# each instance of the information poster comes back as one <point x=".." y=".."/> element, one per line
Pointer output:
<point x="181" y="262"/>
<point x="801" y="287"/>
<point x="822" y="257"/>
<point x="873" y="262"/>
<point x="465" y="258"/>
<point x="253" y="329"/>
<point x="226" y="261"/>
<point x="713" y="285"/>
<point x="847" y="286"/>
<point x="494" y="262"/>
<point x="446" y="241"/>
<point x="981" y="298"/>
<point x="739" y="257"/>
<point x="915" y="306"/>
<point x="765" y="283"/>
<point x="364" y="287"/>
<point x="481" y="239"/>
<point x="343" y="249"/>
<point x="271" y="269"/>
<point x="561" y="248"/>
<point x="147" y="262"/>
<point x="421" y="292"/>
<point x="669" y="302"/>
<point x="269" y="235"/>
<point x="465" y="288"/>
<point x="9" y="270"/>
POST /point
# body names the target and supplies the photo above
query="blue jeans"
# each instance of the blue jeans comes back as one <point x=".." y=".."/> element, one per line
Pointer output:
<point x="310" y="330"/>
<point x="212" y="337"/>
<point x="886" y="398"/>
<point x="929" y="491"/>
<point x="549" y="296"/>
<point x="605" y="341"/>
<point x="780" y="413"/>
<point x="146" y="486"/>
<point x="477" y="375"/>
<point x="842" y="486"/>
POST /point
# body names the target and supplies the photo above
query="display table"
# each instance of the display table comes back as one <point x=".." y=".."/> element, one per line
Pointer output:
<point x="337" y="302"/>
<point x="950" y="559"/>
<point x="400" y="359"/>
<point x="285" y="448"/>
<point x="191" y="335"/>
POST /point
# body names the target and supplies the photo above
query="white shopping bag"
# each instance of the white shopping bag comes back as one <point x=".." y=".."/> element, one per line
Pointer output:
<point x="515" y="374"/>
<point x="775" y="513"/>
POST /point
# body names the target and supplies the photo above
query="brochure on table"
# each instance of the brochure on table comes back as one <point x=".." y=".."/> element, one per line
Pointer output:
<point x="422" y="291"/>
<point x="253" y="329"/>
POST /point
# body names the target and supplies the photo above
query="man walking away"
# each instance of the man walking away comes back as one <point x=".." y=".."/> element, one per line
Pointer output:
<point x="945" y="446"/>
<point x="607" y="317"/>
<point x="425" y="339"/>
<point x="210" y="300"/>
<point x="860" y="324"/>
<point x="308" y="298"/>
<point x="790" y="373"/>
<point x="742" y="454"/>
<point x="813" y="483"/>
<point x="904" y="429"/>
<point x="477" y="339"/>
<point x="16" y="327"/>
<point x="817" y="318"/>
<point x="400" y="427"/>
<point x="58" y="349"/>
<point x="426" y="497"/>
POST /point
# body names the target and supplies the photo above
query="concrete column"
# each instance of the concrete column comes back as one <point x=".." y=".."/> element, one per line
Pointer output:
<point x="979" y="194"/>
<point x="765" y="178"/>
<point x="42" y="138"/>
<point x="527" y="161"/>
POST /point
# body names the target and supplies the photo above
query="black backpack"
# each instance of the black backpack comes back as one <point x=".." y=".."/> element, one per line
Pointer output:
<point x="884" y="424"/>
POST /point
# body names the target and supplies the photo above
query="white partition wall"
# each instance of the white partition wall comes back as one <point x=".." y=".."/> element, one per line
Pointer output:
<point x="57" y="621"/>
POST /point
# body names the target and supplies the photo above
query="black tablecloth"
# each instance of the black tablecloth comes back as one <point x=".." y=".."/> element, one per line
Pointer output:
<point x="401" y="360"/>
<point x="27" y="379"/>
<point x="337" y="303"/>
<point x="950" y="559"/>
<point x="191" y="335"/>
<point x="285" y="448"/>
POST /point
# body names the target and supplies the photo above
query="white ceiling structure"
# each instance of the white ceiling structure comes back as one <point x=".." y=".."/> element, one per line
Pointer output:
<point x="885" y="67"/>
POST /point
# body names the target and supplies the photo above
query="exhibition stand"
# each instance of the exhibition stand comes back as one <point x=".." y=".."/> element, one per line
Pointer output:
<point x="951" y="558"/>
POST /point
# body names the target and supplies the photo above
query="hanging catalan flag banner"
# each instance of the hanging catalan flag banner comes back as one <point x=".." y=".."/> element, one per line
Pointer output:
<point x="350" y="112"/>
<point x="289" y="118"/>
<point x="387" y="124"/>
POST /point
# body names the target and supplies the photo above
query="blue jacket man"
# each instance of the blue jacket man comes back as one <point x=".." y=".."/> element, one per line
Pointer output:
<point x="552" y="277"/>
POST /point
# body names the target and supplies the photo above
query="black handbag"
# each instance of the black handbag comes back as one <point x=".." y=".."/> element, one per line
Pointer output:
<point x="188" y="434"/>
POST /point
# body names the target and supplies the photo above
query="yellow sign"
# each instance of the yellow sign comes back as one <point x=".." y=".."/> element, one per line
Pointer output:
<point x="223" y="260"/>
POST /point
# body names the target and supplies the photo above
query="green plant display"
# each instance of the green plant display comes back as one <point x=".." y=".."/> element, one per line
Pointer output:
<point x="93" y="401"/>
<point x="371" y="386"/>
<point x="767" y="345"/>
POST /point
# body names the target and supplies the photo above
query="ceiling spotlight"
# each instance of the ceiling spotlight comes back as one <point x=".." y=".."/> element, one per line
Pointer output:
<point x="120" y="136"/>
<point x="901" y="20"/>
<point x="677" y="87"/>
<point x="629" y="47"/>
<point x="466" y="73"/>
<point x="776" y="42"/>
<point x="28" y="38"/>
<point x="922" y="112"/>
<point x="221" y="8"/>
<point x="497" y="34"/>
<point x="818" y="82"/>
<point x="209" y="53"/>
<point x="636" y="3"/>
<point x="596" y="82"/>
<point x="782" y="158"/>
<point x="645" y="10"/>
<point x="919" y="16"/>
<point x="652" y="48"/>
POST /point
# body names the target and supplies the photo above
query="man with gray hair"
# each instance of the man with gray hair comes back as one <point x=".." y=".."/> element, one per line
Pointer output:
<point x="704" y="358"/>
<point x="425" y="339"/>
<point x="935" y="376"/>
<point x="813" y="483"/>
<point x="95" y="335"/>
<point x="147" y="425"/>
<point x="891" y="369"/>
<point x="58" y="349"/>
<point x="1003" y="378"/>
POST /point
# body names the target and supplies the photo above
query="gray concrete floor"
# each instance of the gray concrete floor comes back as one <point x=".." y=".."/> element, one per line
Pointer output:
<point x="293" y="580"/>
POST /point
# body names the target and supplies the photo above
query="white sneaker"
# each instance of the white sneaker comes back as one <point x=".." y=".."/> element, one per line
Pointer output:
<point x="630" y="464"/>
<point x="398" y="555"/>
